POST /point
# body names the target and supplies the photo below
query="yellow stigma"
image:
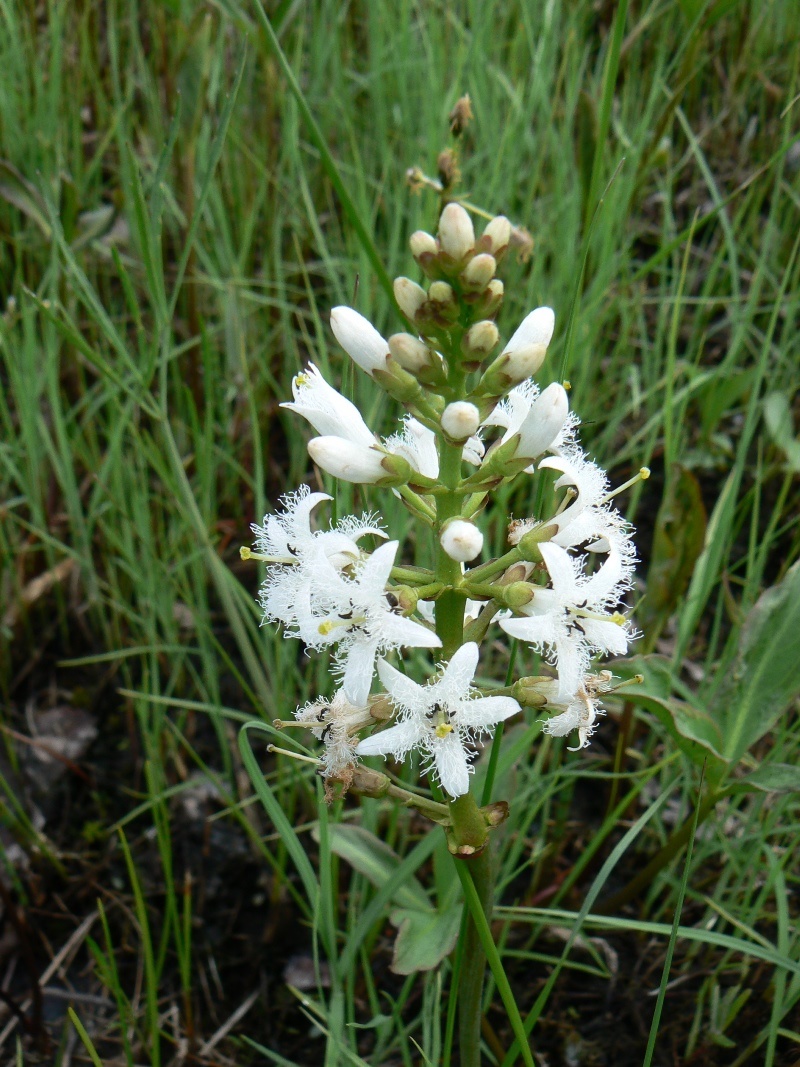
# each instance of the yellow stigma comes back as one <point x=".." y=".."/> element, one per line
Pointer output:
<point x="325" y="628"/>
<point x="567" y="384"/>
<point x="618" y="618"/>
<point x="443" y="729"/>
<point x="244" y="552"/>
<point x="644" y="473"/>
<point x="301" y="379"/>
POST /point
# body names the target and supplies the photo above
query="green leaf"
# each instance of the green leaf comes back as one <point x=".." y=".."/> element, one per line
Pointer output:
<point x="780" y="426"/>
<point x="24" y="196"/>
<point x="424" y="938"/>
<point x="692" y="728"/>
<point x="680" y="530"/>
<point x="371" y="857"/>
<point x="771" y="778"/>
<point x="763" y="679"/>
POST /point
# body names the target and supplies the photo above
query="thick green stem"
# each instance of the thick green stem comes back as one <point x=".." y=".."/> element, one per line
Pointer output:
<point x="473" y="967"/>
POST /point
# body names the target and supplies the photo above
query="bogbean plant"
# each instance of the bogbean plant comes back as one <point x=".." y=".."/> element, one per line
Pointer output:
<point x="474" y="422"/>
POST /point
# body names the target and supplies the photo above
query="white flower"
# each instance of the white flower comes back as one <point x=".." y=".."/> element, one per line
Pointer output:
<point x="540" y="419"/>
<point x="442" y="719"/>
<point x="579" y="711"/>
<point x="330" y="413"/>
<point x="295" y="552"/>
<point x="572" y="618"/>
<point x="336" y="723"/>
<point x="360" y="616"/>
<point x="360" y="340"/>
<point x="416" y="444"/>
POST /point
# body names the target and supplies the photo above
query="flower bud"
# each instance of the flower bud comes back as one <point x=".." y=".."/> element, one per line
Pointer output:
<point x="544" y="422"/>
<point x="496" y="237"/>
<point x="456" y="235"/>
<point x="442" y="304"/>
<point x="510" y="369"/>
<point x="409" y="352"/>
<point x="409" y="296"/>
<point x="460" y="420"/>
<point x="490" y="299"/>
<point x="517" y="595"/>
<point x="535" y="329"/>
<point x="461" y="540"/>
<point x="478" y="272"/>
<point x="359" y="338"/>
<point x="479" y="340"/>
<point x="355" y="463"/>
<point x="422" y="244"/>
<point x="424" y="249"/>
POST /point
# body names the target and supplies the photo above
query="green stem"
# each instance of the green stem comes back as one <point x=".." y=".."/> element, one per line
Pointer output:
<point x="471" y="878"/>
<point x="473" y="966"/>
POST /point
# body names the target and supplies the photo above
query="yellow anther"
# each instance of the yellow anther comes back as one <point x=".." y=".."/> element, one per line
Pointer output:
<point x="325" y="628"/>
<point x="567" y="384"/>
<point x="618" y="618"/>
<point x="644" y="473"/>
<point x="443" y="729"/>
<point x="244" y="552"/>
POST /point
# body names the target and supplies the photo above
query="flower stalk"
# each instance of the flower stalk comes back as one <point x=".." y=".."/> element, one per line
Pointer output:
<point x="329" y="587"/>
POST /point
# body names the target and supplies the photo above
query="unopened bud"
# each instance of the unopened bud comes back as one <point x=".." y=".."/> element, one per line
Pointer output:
<point x="478" y="272"/>
<point x="456" y="235"/>
<point x="460" y="420"/>
<point x="422" y="243"/>
<point x="461" y="540"/>
<point x="511" y="368"/>
<point x="496" y="237"/>
<point x="424" y="249"/>
<point x="359" y="338"/>
<point x="533" y="691"/>
<point x="409" y="296"/>
<point x="535" y="329"/>
<point x="409" y="352"/>
<point x="490" y="299"/>
<point x="517" y="595"/>
<point x="480" y="339"/>
<point x="544" y="422"/>
<point x="442" y="303"/>
<point x="461" y="115"/>
<point x="357" y="464"/>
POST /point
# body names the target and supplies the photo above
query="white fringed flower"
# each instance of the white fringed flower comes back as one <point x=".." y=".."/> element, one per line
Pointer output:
<point x="577" y="712"/>
<point x="540" y="419"/>
<point x="356" y="614"/>
<point x="296" y="552"/>
<point x="442" y="719"/>
<point x="330" y="413"/>
<point x="572" y="619"/>
<point x="336" y="723"/>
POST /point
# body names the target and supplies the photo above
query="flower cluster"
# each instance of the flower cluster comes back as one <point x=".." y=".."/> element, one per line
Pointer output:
<point x="473" y="421"/>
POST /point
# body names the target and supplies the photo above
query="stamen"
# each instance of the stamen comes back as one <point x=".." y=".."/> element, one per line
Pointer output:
<point x="642" y="476"/>
<point x="248" y="553"/>
<point x="294" y="755"/>
<point x="329" y="625"/>
<point x="443" y="729"/>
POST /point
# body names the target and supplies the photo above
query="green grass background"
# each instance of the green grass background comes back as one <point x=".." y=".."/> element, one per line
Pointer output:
<point x="173" y="233"/>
